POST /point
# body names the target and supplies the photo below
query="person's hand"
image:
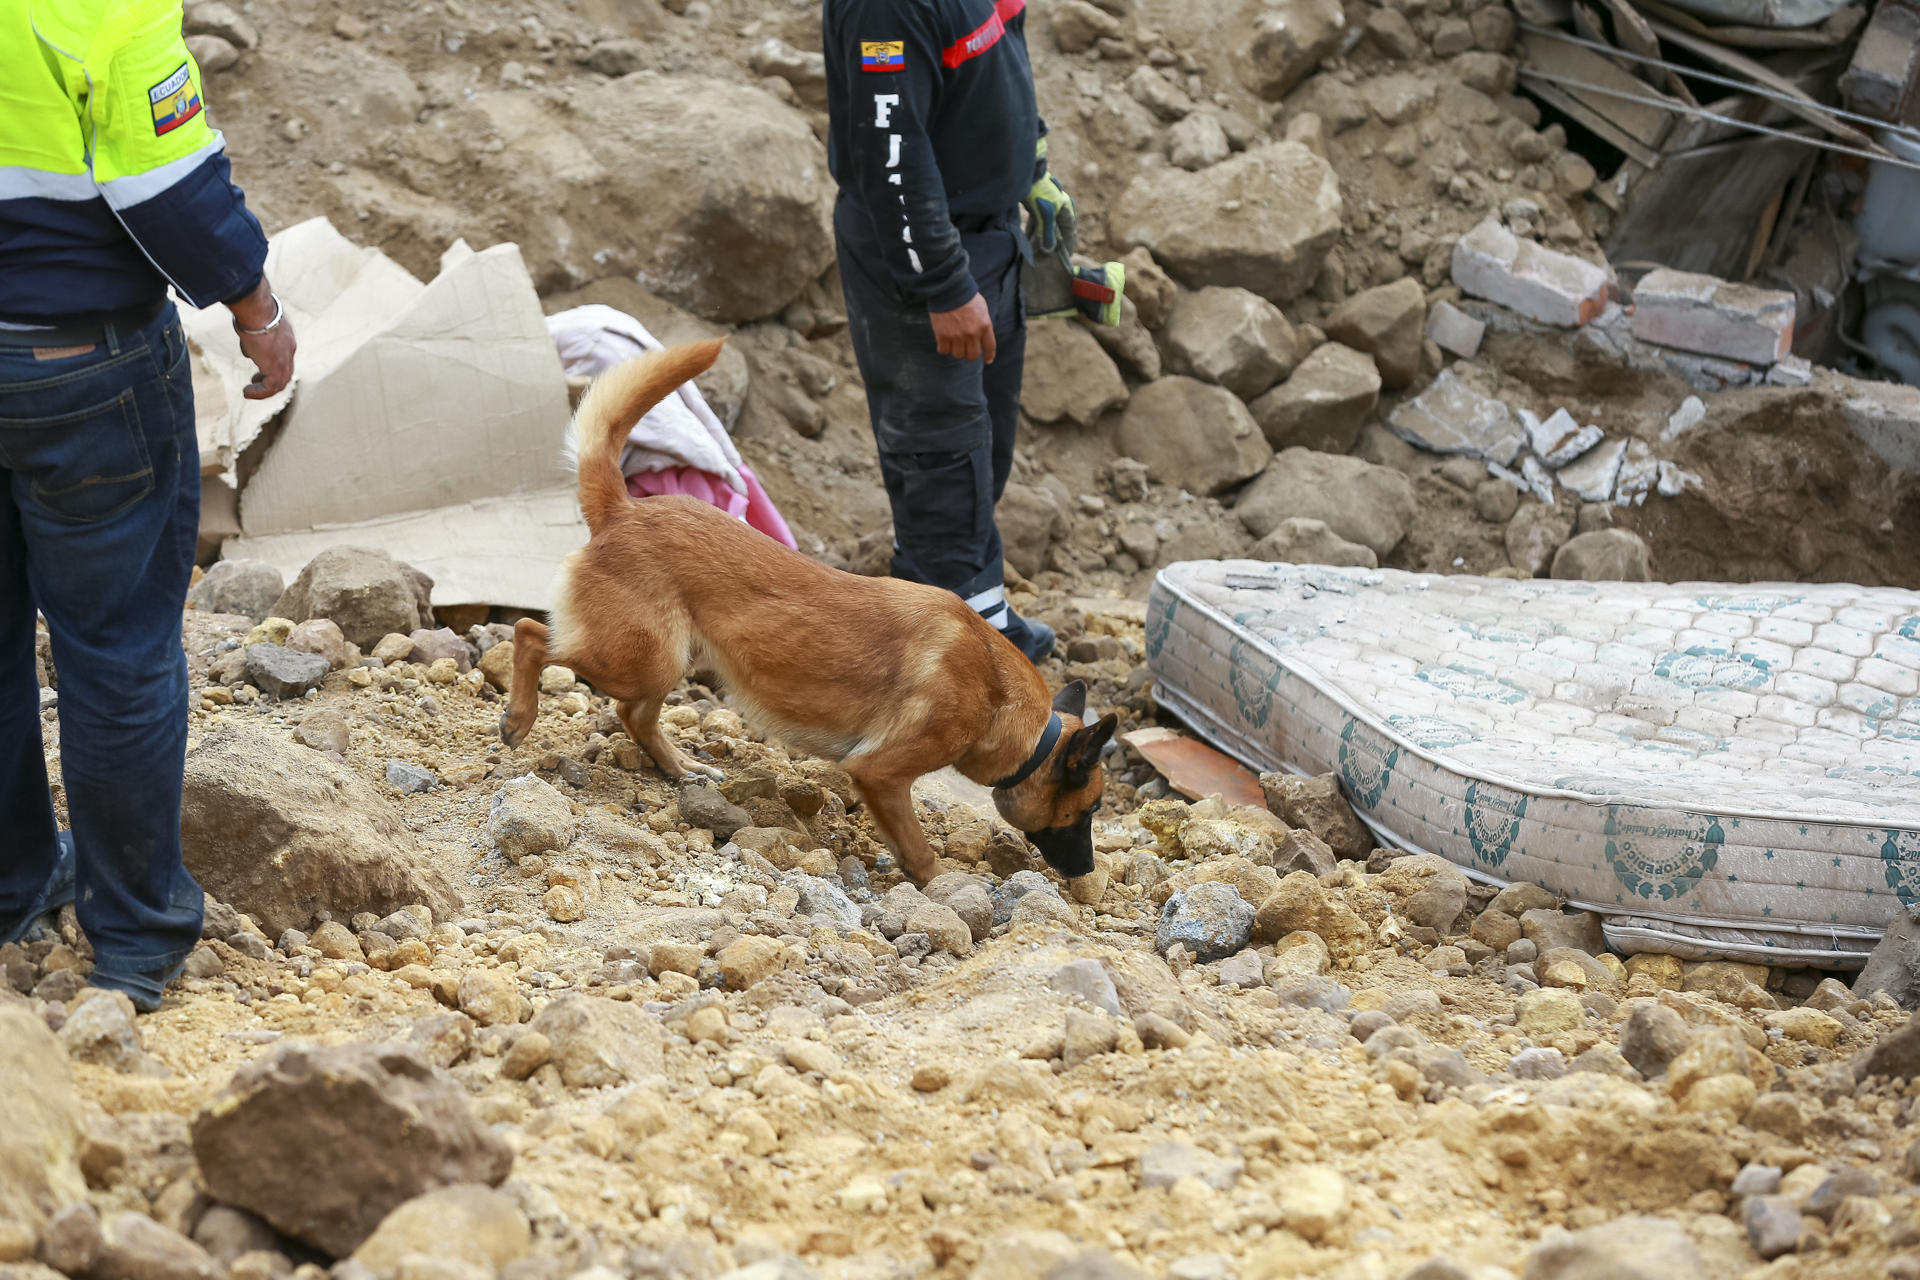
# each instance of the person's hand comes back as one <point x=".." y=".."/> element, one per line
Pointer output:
<point x="965" y="333"/>
<point x="271" y="352"/>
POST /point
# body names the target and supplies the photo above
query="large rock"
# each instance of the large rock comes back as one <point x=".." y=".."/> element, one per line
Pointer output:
<point x="1300" y="540"/>
<point x="722" y="189"/>
<point x="283" y="673"/>
<point x="1211" y="920"/>
<point x="1386" y="322"/>
<point x="1284" y="42"/>
<point x="367" y="592"/>
<point x="527" y="816"/>
<point x="1535" y="535"/>
<point x="1263" y="220"/>
<point x="1031" y="519"/>
<point x="1605" y="555"/>
<point x="1894" y="966"/>
<point x="600" y="1043"/>
<point x="1302" y="904"/>
<point x="1318" y="805"/>
<point x="1361" y="502"/>
<point x="280" y="831"/>
<point x="325" y="1143"/>
<point x="1323" y="404"/>
<point x="1630" y="1248"/>
<point x="1069" y="376"/>
<point x="40" y="1124"/>
<point x="247" y="587"/>
<point x="135" y="1247"/>
<point x="1229" y="336"/>
<point x="467" y="1223"/>
<point x="1193" y="435"/>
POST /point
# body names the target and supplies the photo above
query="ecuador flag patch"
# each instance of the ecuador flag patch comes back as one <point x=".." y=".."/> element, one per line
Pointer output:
<point x="883" y="55"/>
<point x="175" y="100"/>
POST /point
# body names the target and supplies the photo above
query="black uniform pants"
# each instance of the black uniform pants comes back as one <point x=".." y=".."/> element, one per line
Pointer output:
<point x="944" y="427"/>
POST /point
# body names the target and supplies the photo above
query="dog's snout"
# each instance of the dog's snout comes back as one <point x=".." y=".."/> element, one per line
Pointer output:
<point x="1068" y="849"/>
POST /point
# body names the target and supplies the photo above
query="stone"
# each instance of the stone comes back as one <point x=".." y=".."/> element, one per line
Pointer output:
<point x="1390" y="32"/>
<point x="280" y="832"/>
<point x="41" y="1123"/>
<point x="528" y="816"/>
<point x="752" y="959"/>
<point x="1713" y="317"/>
<point x="1088" y="980"/>
<point x="102" y="1031"/>
<point x="214" y="54"/>
<point x="728" y="195"/>
<point x="248" y="588"/>
<point x="1192" y="435"/>
<point x="1537" y="1064"/>
<point x="1285" y="44"/>
<point x="1316" y="804"/>
<point x="564" y="903"/>
<point x="1303" y="541"/>
<point x="1548" y="929"/>
<point x="496" y="666"/>
<point x="824" y="902"/>
<point x="1263" y="220"/>
<point x="1628" y="1248"/>
<point x="702" y="805"/>
<point x="1385" y="322"/>
<point x="1495" y="501"/>
<point x="1312" y="1200"/>
<point x="135" y="1247"/>
<point x="1773" y="1225"/>
<point x="1323" y="404"/>
<point x="1652" y="1037"/>
<point x="1535" y="535"/>
<point x="1301" y="850"/>
<point x="282" y="673"/>
<point x="214" y="18"/>
<point x="1088" y="1034"/>
<point x="1015" y="887"/>
<point x="1778" y="1114"/>
<point x="1495" y="929"/>
<point x="1521" y="897"/>
<point x="1302" y="904"/>
<point x="431" y="646"/>
<point x="1078" y="26"/>
<point x="943" y="927"/>
<point x="530" y="1052"/>
<point x="1451" y="416"/>
<point x="1229" y="336"/>
<point x="1593" y="477"/>
<point x="1548" y="1011"/>
<point x="1165" y="1163"/>
<point x="305" y="1138"/>
<point x="1607" y="555"/>
<point x="1198" y="141"/>
<point x="1454" y="331"/>
<point x="1553" y="288"/>
<point x="489" y="997"/>
<point x="410" y="779"/>
<point x="599" y="1043"/>
<point x="1069" y="376"/>
<point x="321" y="636"/>
<point x="1894" y="965"/>
<point x="366" y="592"/>
<point x="1359" y="501"/>
<point x="805" y="71"/>
<point x="1245" y="969"/>
<point x="1210" y="919"/>
<point x="468" y="1223"/>
<point x="1825" y="1201"/>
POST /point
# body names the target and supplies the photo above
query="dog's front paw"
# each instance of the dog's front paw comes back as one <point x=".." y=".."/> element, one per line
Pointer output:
<point x="511" y="733"/>
<point x="712" y="771"/>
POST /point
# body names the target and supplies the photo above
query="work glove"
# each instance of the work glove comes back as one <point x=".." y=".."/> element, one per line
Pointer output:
<point x="1053" y="286"/>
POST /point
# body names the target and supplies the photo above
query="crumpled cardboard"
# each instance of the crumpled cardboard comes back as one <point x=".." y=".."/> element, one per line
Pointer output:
<point x="424" y="419"/>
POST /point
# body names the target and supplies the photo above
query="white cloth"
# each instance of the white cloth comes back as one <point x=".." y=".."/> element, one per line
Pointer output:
<point x="680" y="431"/>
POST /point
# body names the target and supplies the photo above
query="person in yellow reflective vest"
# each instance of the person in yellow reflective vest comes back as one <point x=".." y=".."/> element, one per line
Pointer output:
<point x="114" y="189"/>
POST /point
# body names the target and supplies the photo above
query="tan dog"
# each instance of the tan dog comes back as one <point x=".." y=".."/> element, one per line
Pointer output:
<point x="892" y="679"/>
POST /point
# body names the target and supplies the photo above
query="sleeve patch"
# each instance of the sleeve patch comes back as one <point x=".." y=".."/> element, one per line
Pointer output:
<point x="883" y="55"/>
<point x="175" y="101"/>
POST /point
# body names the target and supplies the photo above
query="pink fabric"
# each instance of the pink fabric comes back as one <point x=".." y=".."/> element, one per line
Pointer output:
<point x="754" y="506"/>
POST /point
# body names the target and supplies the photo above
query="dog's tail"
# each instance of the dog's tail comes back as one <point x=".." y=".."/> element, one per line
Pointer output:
<point x="617" y="399"/>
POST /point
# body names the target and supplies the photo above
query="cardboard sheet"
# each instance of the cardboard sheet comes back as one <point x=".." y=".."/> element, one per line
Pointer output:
<point x="425" y="419"/>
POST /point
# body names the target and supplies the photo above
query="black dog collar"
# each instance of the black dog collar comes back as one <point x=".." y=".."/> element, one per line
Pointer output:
<point x="1048" y="736"/>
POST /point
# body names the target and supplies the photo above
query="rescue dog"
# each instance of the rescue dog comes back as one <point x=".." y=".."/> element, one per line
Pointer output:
<point x="892" y="679"/>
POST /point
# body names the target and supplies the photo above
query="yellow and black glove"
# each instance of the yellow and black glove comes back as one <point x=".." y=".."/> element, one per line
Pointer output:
<point x="1053" y="286"/>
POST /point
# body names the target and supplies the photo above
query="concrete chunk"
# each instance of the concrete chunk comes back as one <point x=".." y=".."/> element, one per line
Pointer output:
<point x="1592" y="478"/>
<point x="1878" y="81"/>
<point x="1713" y="317"/>
<point x="1451" y="417"/>
<point x="1554" y="288"/>
<point x="1453" y="330"/>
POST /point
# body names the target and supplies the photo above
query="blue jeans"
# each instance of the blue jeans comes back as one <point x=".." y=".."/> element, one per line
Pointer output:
<point x="99" y="509"/>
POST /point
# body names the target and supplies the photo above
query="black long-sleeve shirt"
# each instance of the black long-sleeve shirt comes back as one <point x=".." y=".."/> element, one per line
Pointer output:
<point x="933" y="124"/>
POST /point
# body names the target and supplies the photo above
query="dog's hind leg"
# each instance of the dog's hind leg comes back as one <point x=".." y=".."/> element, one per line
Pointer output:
<point x="641" y="716"/>
<point x="523" y="700"/>
<point x="889" y="798"/>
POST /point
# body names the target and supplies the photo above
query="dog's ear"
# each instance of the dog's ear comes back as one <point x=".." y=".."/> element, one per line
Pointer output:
<point x="1083" y="750"/>
<point x="1072" y="700"/>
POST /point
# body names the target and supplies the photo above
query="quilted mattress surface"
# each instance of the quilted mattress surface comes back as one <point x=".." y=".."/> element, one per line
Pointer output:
<point x="1721" y="771"/>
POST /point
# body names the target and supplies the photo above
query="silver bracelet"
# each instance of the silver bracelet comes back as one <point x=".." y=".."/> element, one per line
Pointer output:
<point x="279" y="314"/>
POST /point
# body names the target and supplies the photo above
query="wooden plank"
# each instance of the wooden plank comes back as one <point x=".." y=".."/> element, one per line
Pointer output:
<point x="1834" y="31"/>
<point x="1799" y="101"/>
<point x="1646" y="123"/>
<point x="1559" y="99"/>
<point x="1704" y="208"/>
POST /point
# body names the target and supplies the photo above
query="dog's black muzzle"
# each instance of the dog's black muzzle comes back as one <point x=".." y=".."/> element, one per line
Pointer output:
<point x="1068" y="850"/>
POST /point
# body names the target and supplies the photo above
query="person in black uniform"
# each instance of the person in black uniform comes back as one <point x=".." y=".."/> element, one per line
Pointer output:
<point x="936" y="142"/>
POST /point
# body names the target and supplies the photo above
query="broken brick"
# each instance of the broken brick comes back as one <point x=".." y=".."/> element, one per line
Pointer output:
<point x="1713" y="317"/>
<point x="1554" y="288"/>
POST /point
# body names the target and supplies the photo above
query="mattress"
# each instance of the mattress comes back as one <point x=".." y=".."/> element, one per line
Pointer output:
<point x="1720" y="771"/>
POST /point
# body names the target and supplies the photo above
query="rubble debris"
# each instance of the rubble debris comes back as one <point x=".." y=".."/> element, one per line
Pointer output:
<point x="1454" y="331"/>
<point x="1715" y="318"/>
<point x="1452" y="417"/>
<point x="1553" y="288"/>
